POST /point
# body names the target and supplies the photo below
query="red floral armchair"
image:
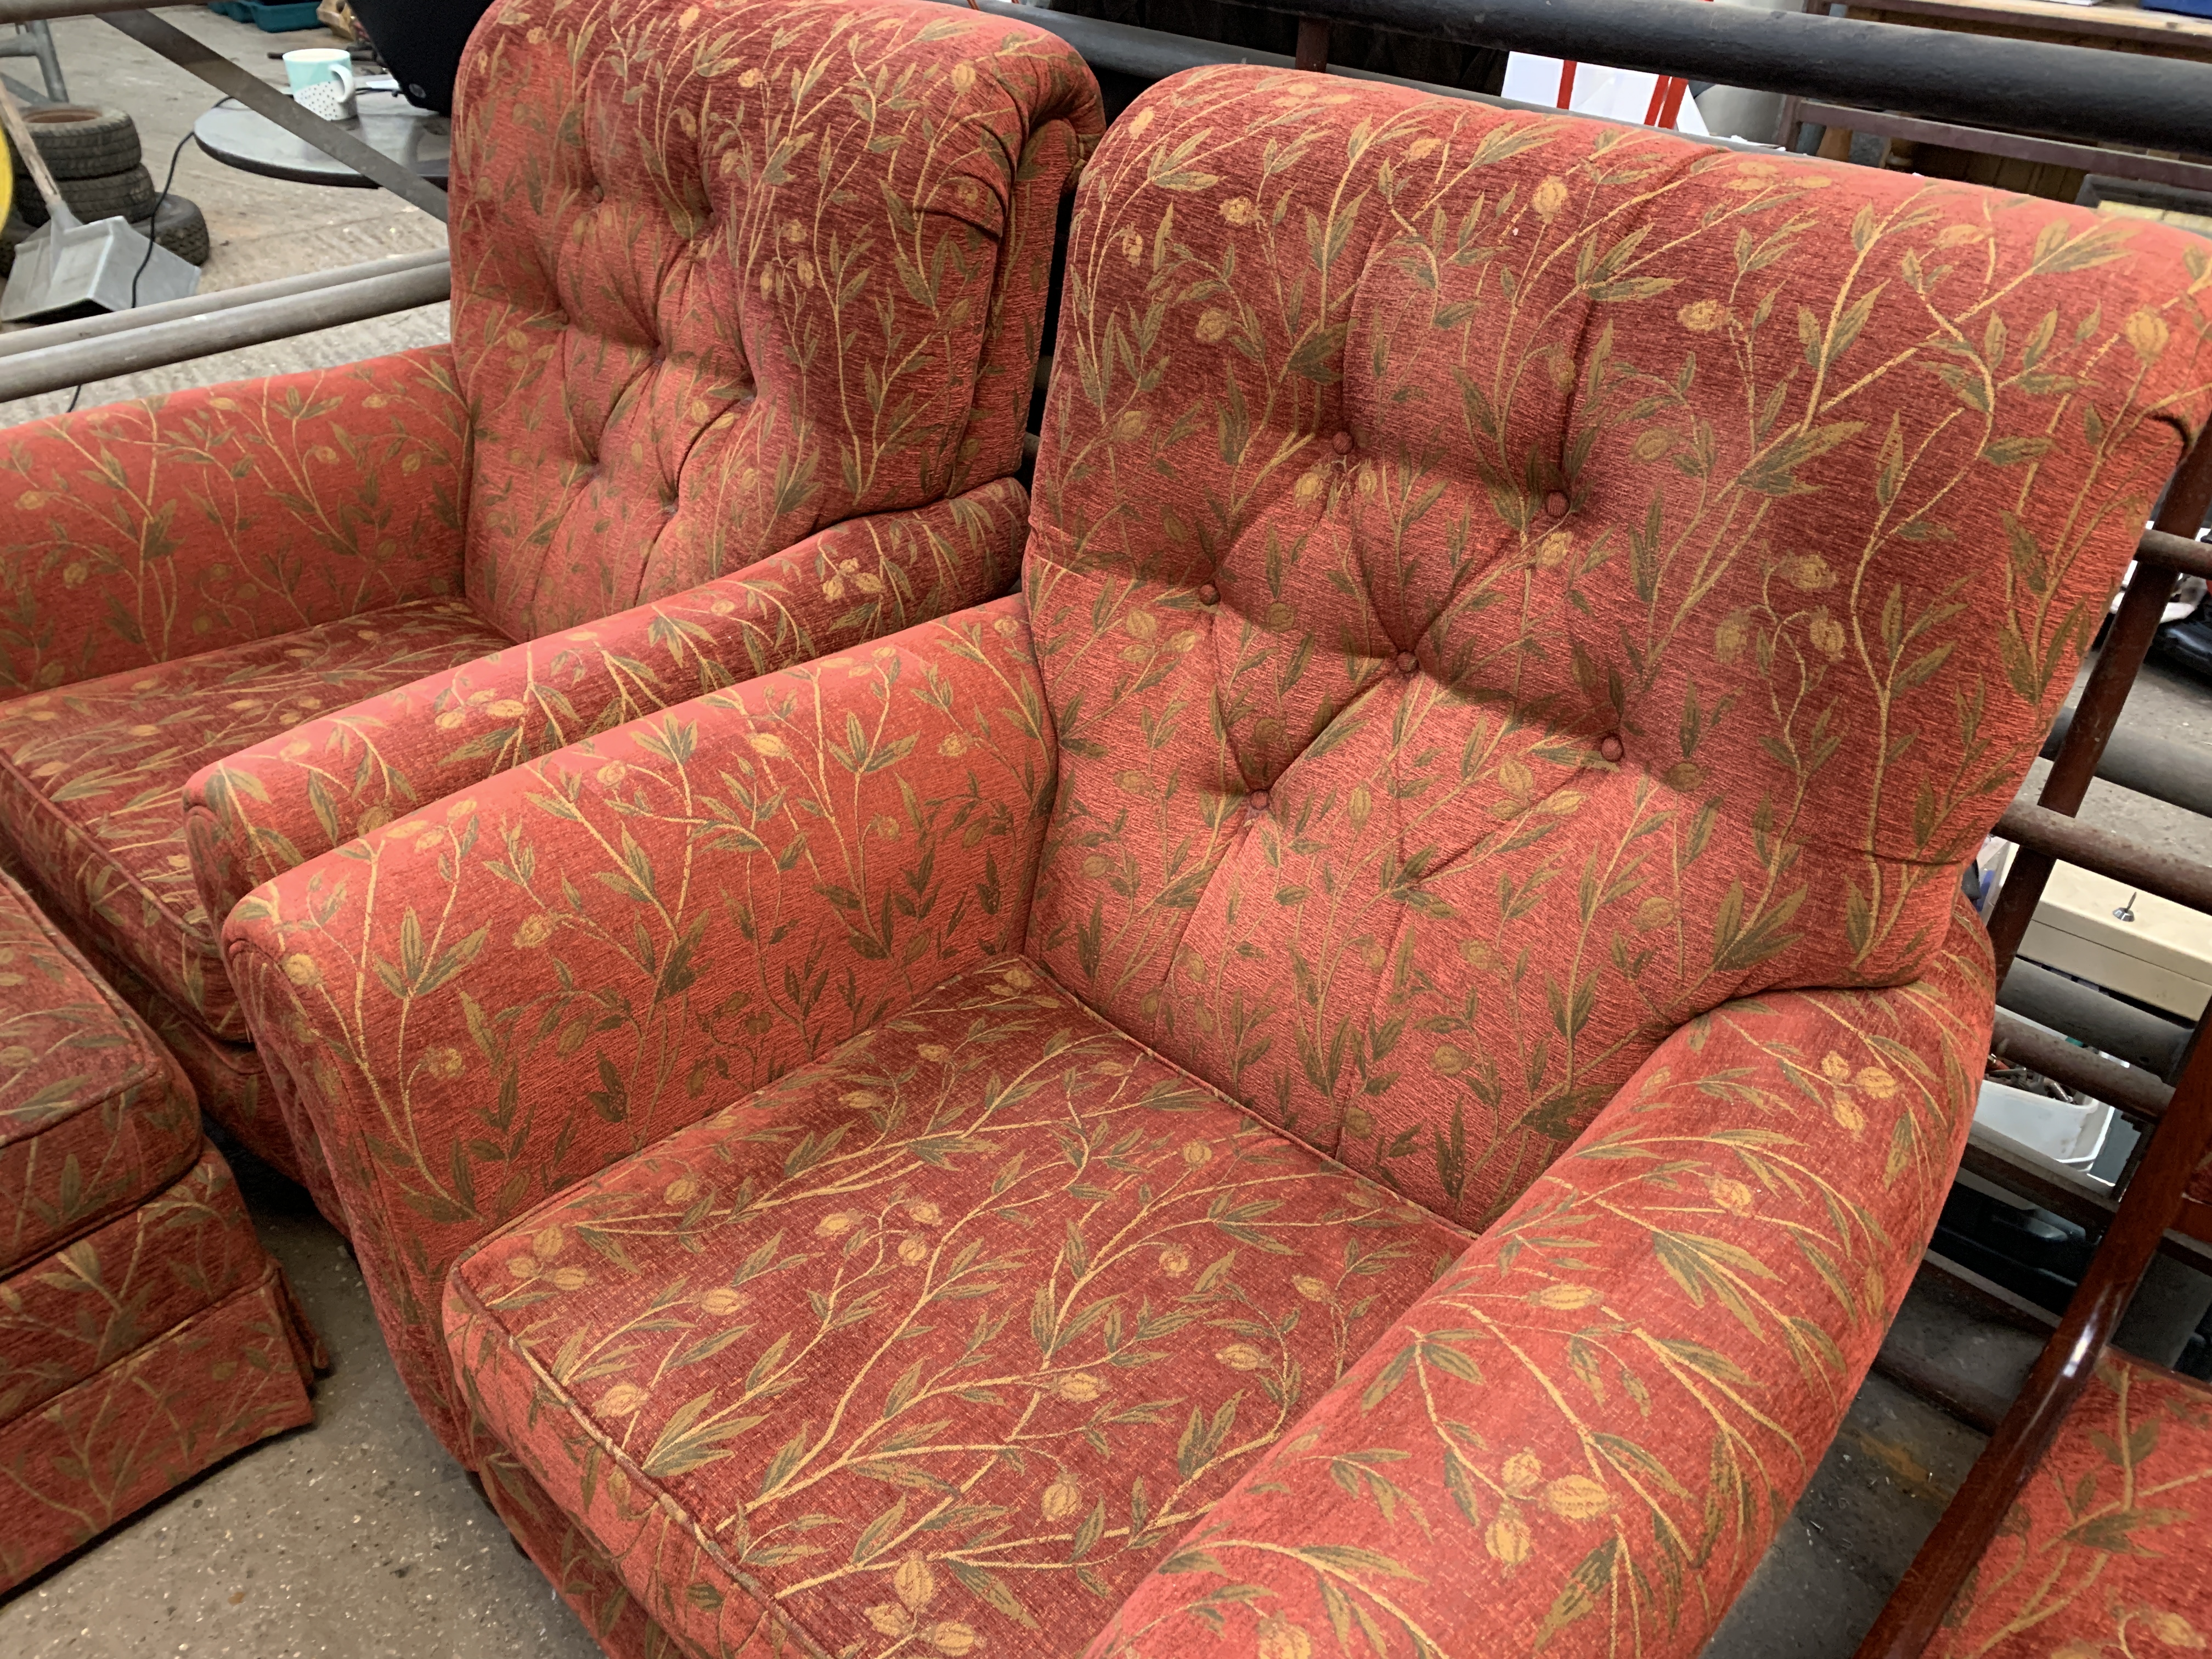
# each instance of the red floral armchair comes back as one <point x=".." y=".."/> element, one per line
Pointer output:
<point x="746" y="308"/>
<point x="1366" y="1062"/>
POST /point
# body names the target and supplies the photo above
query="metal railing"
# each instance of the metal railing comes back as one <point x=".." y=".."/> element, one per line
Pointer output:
<point x="2116" y="97"/>
<point x="60" y="354"/>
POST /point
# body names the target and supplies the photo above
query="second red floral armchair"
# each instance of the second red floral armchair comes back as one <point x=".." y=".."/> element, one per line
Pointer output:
<point x="1367" y="1060"/>
<point x="746" y="310"/>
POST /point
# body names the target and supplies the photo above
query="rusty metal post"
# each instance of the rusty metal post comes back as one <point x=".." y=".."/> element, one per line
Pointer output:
<point x="2127" y="642"/>
<point x="1313" y="46"/>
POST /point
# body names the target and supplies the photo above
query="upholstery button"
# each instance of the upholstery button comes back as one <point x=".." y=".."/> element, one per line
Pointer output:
<point x="1341" y="443"/>
<point x="1407" y="662"/>
<point x="1257" y="801"/>
<point x="1556" y="504"/>
<point x="1209" y="594"/>
<point x="1610" y="747"/>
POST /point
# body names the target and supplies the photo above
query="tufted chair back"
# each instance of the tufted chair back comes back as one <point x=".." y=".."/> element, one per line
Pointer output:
<point x="1507" y="584"/>
<point x="725" y="275"/>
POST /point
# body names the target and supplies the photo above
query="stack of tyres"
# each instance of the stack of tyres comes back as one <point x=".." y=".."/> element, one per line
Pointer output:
<point x="94" y="156"/>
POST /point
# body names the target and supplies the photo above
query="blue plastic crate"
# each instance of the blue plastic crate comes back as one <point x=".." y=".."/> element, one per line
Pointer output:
<point x="2186" y="8"/>
<point x="276" y="16"/>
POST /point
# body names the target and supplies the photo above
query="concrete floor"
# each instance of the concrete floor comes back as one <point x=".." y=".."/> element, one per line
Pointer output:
<point x="1891" y="1469"/>
<point x="358" y="1537"/>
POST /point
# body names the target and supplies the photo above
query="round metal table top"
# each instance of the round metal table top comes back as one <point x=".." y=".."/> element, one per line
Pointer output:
<point x="413" y="137"/>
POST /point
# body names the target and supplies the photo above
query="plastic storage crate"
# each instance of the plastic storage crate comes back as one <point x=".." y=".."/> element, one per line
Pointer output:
<point x="277" y="16"/>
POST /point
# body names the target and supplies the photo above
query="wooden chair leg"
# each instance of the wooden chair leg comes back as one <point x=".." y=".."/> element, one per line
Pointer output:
<point x="1313" y="46"/>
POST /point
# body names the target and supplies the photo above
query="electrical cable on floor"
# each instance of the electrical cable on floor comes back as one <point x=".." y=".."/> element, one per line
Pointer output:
<point x="153" y="219"/>
<point x="153" y="224"/>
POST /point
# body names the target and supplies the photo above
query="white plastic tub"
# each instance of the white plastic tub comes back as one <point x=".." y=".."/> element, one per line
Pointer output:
<point x="2065" y="1133"/>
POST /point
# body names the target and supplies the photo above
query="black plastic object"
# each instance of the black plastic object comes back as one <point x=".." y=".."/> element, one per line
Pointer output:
<point x="11" y="237"/>
<point x="2187" y="644"/>
<point x="2032" y="86"/>
<point x="1274" y="28"/>
<point x="420" y="42"/>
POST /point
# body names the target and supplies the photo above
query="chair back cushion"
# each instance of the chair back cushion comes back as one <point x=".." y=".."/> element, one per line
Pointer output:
<point x="1507" y="584"/>
<point x="725" y="274"/>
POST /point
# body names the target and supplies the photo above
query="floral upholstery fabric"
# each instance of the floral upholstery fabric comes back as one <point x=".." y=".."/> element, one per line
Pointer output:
<point x="229" y="1078"/>
<point x="140" y="532"/>
<point x="264" y="809"/>
<point x="654" y="923"/>
<point x="232" y="1374"/>
<point x="1543" y="616"/>
<point x="1522" y="619"/>
<point x="182" y="1250"/>
<point x="576" y="1567"/>
<point x="740" y="274"/>
<point x="144" y="1334"/>
<point x="92" y="774"/>
<point x="2102" y="1557"/>
<point x="1587" y="1432"/>
<point x="947" y="1336"/>
<point x="94" y="1116"/>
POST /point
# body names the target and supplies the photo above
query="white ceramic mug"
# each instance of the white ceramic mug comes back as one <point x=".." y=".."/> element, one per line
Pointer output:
<point x="321" y="78"/>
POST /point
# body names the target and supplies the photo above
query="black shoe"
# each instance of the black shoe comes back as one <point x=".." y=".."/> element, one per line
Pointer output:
<point x="2187" y="644"/>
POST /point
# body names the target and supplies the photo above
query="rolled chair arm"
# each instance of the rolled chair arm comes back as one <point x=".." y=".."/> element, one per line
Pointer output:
<point x="1581" y="1440"/>
<point x="254" y="815"/>
<point x="140" y="532"/>
<point x="483" y="1002"/>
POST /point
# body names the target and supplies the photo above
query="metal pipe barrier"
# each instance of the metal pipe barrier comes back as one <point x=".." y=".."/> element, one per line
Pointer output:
<point x="2135" y="1091"/>
<point x="48" y="335"/>
<point x="30" y="11"/>
<point x="2110" y="163"/>
<point x="2061" y="835"/>
<point x="2178" y="554"/>
<point x="128" y="350"/>
<point x="1981" y="80"/>
<point x="2164" y="771"/>
<point x="2152" y="1042"/>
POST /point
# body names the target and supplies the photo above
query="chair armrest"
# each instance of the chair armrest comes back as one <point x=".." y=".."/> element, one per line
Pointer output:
<point x="254" y="815"/>
<point x="1581" y="1439"/>
<point x="483" y="1002"/>
<point x="143" y="532"/>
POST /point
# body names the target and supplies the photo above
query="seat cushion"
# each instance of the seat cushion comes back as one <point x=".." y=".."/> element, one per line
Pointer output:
<point x="94" y="1114"/>
<point x="947" y="1336"/>
<point x="2103" y="1553"/>
<point x="92" y="775"/>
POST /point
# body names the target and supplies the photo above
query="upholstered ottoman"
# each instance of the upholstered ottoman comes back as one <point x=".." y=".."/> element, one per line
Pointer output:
<point x="143" y="1334"/>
